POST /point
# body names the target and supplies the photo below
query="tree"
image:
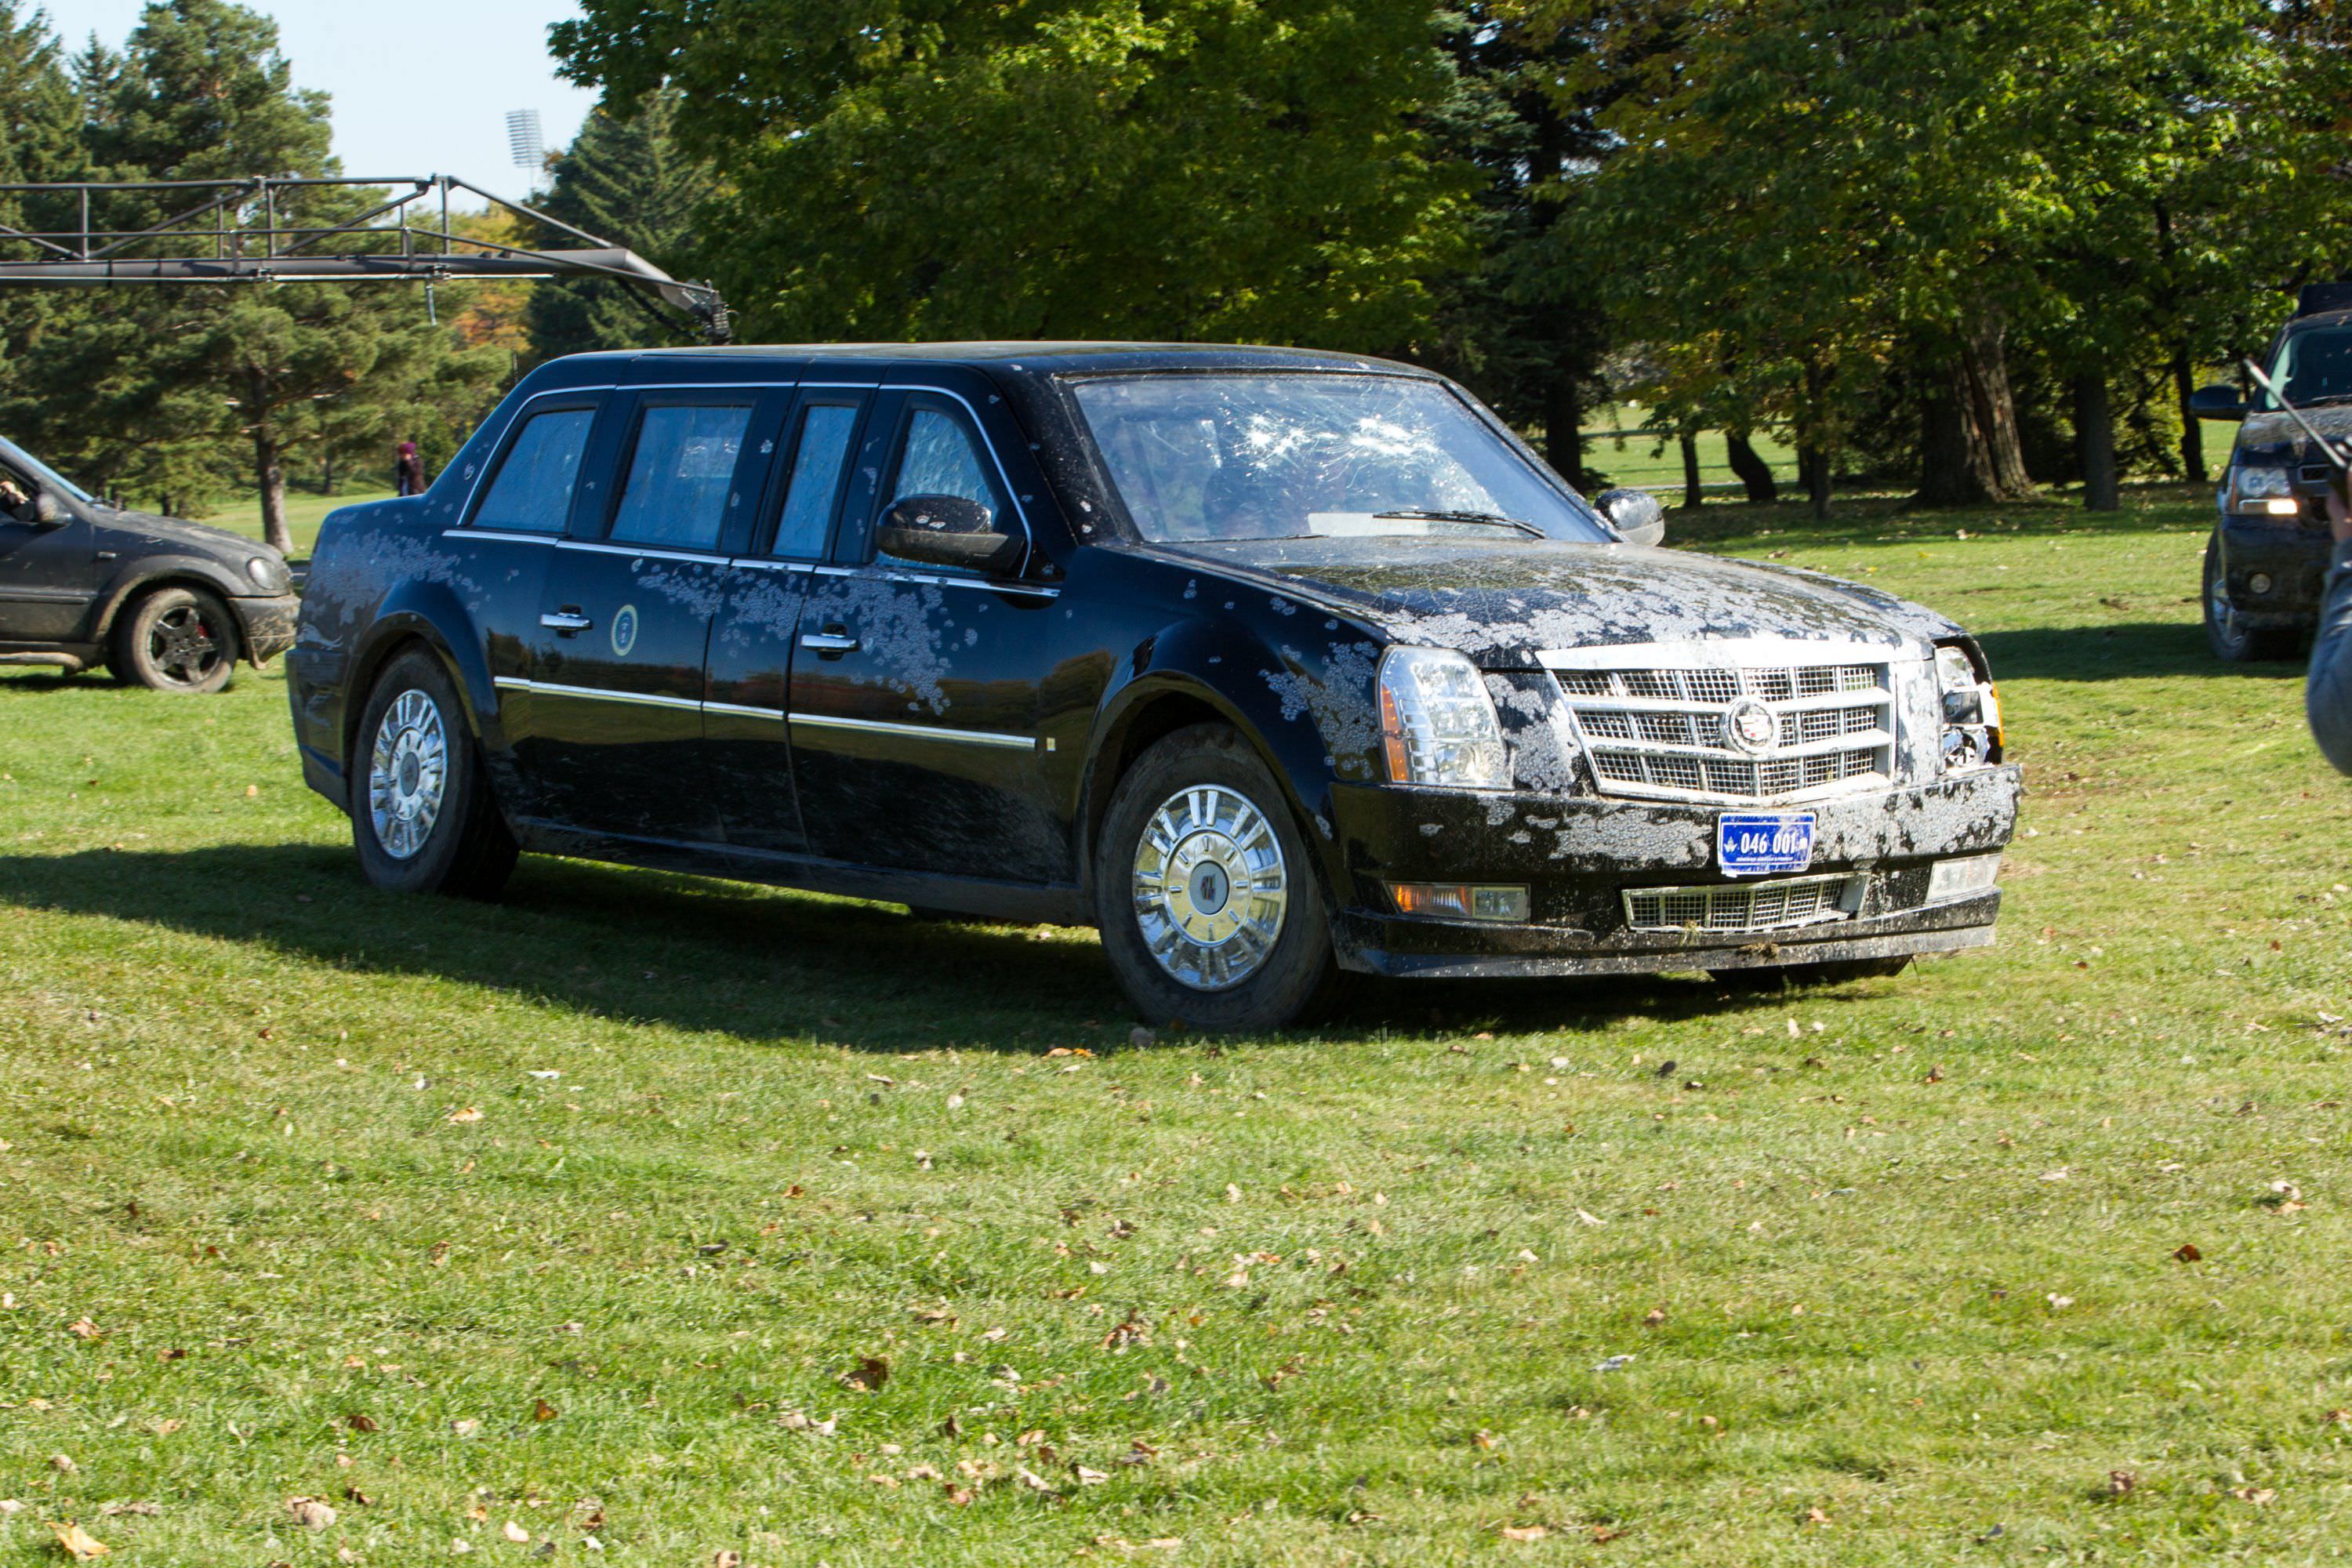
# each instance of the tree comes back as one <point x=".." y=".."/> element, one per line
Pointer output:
<point x="169" y="381"/>
<point x="625" y="179"/>
<point x="40" y="121"/>
<point x="1182" y="169"/>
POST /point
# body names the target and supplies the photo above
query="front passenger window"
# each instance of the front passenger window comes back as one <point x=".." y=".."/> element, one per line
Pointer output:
<point x="939" y="459"/>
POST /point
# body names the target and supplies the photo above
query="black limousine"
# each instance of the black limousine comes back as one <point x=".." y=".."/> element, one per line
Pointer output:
<point x="1275" y="666"/>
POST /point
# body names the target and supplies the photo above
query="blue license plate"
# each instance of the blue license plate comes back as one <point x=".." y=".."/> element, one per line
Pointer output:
<point x="1759" y="844"/>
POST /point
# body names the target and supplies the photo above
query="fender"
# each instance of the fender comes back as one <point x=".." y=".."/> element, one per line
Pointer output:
<point x="1262" y="691"/>
<point x="146" y="571"/>
<point x="430" y="613"/>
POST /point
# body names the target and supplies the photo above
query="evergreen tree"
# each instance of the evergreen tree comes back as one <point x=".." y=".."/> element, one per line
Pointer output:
<point x="625" y="179"/>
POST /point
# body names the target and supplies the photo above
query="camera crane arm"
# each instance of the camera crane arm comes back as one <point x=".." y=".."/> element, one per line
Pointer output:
<point x="236" y="233"/>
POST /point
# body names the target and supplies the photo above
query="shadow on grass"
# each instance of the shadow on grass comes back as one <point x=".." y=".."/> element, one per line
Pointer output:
<point x="704" y="955"/>
<point x="2131" y="650"/>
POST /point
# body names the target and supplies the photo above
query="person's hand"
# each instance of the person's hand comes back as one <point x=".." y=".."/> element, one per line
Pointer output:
<point x="2340" y="519"/>
<point x="10" y="496"/>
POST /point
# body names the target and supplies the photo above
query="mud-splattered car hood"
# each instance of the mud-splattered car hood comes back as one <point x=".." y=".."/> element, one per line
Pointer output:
<point x="154" y="527"/>
<point x="1504" y="601"/>
<point x="2278" y="436"/>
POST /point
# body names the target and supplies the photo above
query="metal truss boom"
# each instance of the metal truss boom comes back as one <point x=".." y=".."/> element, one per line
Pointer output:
<point x="241" y="231"/>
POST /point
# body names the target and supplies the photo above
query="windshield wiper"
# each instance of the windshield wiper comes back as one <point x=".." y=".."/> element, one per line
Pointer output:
<point x="1489" y="519"/>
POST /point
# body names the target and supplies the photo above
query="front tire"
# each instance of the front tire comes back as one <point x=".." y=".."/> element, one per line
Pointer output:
<point x="181" y="640"/>
<point x="423" y="818"/>
<point x="2234" y="642"/>
<point x="1211" y="911"/>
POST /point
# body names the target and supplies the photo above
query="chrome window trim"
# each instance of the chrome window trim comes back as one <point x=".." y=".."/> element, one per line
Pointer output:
<point x="599" y="547"/>
<point x="917" y="732"/>
<point x="746" y="711"/>
<point x="499" y="533"/>
<point x="593" y="693"/>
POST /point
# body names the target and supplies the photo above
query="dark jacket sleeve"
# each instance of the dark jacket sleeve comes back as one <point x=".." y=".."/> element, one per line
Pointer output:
<point x="2327" y="696"/>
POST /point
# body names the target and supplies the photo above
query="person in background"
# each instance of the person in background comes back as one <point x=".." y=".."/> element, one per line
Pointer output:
<point x="2328" y="693"/>
<point x="408" y="471"/>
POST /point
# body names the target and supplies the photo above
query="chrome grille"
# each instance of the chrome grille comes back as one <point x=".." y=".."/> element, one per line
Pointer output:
<point x="1660" y="730"/>
<point x="1745" y="906"/>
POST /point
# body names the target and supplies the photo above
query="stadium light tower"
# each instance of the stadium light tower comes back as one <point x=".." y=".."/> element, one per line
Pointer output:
<point x="527" y="141"/>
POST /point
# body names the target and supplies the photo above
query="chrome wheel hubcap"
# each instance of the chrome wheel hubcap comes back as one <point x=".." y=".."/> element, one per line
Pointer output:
<point x="1211" y="886"/>
<point x="408" y="770"/>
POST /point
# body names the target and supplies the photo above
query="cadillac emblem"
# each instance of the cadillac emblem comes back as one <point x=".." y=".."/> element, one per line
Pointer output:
<point x="1750" y="726"/>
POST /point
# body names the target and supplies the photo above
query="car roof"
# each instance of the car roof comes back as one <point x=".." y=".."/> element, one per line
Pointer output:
<point x="1038" y="357"/>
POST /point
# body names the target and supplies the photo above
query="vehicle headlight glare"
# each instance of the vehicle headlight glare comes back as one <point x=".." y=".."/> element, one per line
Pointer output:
<point x="2266" y="486"/>
<point x="1437" y="723"/>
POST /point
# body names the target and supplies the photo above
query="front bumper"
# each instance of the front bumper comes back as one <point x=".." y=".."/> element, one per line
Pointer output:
<point x="268" y="623"/>
<point x="2292" y="552"/>
<point x="1579" y="856"/>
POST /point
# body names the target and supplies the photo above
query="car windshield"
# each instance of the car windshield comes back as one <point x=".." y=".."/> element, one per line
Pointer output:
<point x="1297" y="456"/>
<point x="32" y="467"/>
<point x="2314" y="366"/>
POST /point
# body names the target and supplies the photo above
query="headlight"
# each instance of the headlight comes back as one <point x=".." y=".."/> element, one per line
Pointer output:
<point x="1437" y="723"/>
<point x="2265" y="492"/>
<point x="1971" y="704"/>
<point x="268" y="576"/>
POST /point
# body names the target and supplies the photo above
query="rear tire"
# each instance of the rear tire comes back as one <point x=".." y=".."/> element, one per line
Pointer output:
<point x="181" y="640"/>
<point x="1198" y="846"/>
<point x="423" y="818"/>
<point x="2232" y="642"/>
<point x="1794" y="976"/>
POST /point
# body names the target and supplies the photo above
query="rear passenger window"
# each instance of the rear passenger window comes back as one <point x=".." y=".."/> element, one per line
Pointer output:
<point x="817" y="467"/>
<point x="532" y="491"/>
<point x="682" y="475"/>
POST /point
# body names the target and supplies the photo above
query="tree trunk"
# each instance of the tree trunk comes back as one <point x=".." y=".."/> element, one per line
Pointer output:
<point x="1563" y="444"/>
<point x="269" y="473"/>
<point x="1952" y="471"/>
<point x="1984" y="367"/>
<point x="1692" y="497"/>
<point x="1753" y="471"/>
<point x="2192" y="432"/>
<point x="1814" y="474"/>
<point x="2095" y="441"/>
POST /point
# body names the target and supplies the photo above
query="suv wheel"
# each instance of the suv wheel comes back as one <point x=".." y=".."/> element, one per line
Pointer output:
<point x="176" y="639"/>
<point x="423" y="818"/>
<point x="2234" y="643"/>
<point x="1211" y="907"/>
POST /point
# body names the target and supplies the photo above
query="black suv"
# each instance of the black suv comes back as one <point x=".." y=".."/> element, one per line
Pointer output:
<point x="1271" y="665"/>
<point x="165" y="604"/>
<point x="2269" y="555"/>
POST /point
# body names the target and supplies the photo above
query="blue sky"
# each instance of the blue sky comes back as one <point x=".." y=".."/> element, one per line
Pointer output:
<point x="421" y="86"/>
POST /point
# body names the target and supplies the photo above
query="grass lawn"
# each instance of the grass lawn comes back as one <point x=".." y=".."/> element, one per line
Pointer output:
<point x="1616" y="445"/>
<point x="698" y="1219"/>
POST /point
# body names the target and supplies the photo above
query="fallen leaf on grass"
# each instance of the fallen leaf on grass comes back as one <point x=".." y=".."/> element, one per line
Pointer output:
<point x="2258" y="1496"/>
<point x="78" y="1544"/>
<point x="64" y="1465"/>
<point x="359" y="1423"/>
<point x="516" y="1533"/>
<point x="2122" y="1483"/>
<point x="83" y="1328"/>
<point x="311" y="1512"/>
<point x="465" y="1426"/>
<point x="870" y="1374"/>
<point x="1815" y="1516"/>
<point x="541" y="1410"/>
<point x="2187" y="1252"/>
<point x="1525" y="1532"/>
<point x="723" y="1558"/>
<point x="469" y="1113"/>
<point x="144" y="1510"/>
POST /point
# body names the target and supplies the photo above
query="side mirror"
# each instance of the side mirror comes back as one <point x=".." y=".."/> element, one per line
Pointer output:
<point x="45" y="509"/>
<point x="2216" y="403"/>
<point x="1637" y="514"/>
<point x="947" y="531"/>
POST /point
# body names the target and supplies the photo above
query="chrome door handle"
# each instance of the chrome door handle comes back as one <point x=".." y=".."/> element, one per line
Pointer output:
<point x="566" y="621"/>
<point x="829" y="642"/>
